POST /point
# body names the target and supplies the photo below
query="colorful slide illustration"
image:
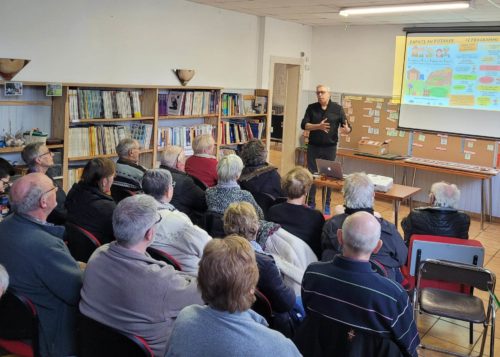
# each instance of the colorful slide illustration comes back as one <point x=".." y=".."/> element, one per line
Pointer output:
<point x="455" y="72"/>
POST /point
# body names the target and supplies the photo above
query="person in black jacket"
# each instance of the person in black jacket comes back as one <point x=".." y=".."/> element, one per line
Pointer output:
<point x="359" y="196"/>
<point x="258" y="175"/>
<point x="39" y="158"/>
<point x="188" y="197"/>
<point x="89" y="204"/>
<point x="441" y="218"/>
<point x="324" y="119"/>
<point x="240" y="218"/>
<point x="293" y="215"/>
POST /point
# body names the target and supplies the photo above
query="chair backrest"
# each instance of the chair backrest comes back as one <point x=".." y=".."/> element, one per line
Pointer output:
<point x="423" y="247"/>
<point x="320" y="336"/>
<point x="453" y="272"/>
<point x="262" y="306"/>
<point x="98" y="340"/>
<point x="199" y="183"/>
<point x="159" y="254"/>
<point x="214" y="224"/>
<point x="18" y="325"/>
<point x="119" y="193"/>
<point x="264" y="200"/>
<point x="81" y="243"/>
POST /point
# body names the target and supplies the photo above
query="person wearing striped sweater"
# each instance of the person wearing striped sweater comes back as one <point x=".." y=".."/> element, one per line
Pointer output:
<point x="359" y="306"/>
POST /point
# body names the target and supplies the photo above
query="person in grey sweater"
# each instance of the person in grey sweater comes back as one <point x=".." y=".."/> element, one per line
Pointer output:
<point x="126" y="289"/>
<point x="227" y="327"/>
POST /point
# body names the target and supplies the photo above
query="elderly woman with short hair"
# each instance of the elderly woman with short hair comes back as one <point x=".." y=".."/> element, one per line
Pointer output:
<point x="227" y="190"/>
<point x="175" y="234"/>
<point x="203" y="164"/>
<point x="89" y="204"/>
<point x="227" y="280"/>
<point x="293" y="215"/>
<point x="258" y="175"/>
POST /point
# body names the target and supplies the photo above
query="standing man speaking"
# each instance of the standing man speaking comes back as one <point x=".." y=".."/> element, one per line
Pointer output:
<point x="324" y="120"/>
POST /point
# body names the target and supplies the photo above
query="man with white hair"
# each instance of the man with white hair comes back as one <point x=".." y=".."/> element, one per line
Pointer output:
<point x="126" y="289"/>
<point x="128" y="171"/>
<point x="188" y="197"/>
<point x="4" y="280"/>
<point x="175" y="234"/>
<point x="324" y="120"/>
<point x="359" y="195"/>
<point x="39" y="263"/>
<point x="345" y="299"/>
<point x="441" y="218"/>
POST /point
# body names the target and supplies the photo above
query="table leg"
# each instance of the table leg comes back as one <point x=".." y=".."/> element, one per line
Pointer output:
<point x="323" y="199"/>
<point x="413" y="179"/>
<point x="396" y="210"/>
<point x="490" y="201"/>
<point x="483" y="194"/>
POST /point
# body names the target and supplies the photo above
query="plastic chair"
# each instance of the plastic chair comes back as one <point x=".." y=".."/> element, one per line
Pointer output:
<point x="119" y="193"/>
<point x="98" y="340"/>
<point x="214" y="224"/>
<point x="18" y="325"/>
<point x="262" y="306"/>
<point x="81" y="243"/>
<point x="456" y="305"/>
<point x="159" y="254"/>
<point x="264" y="200"/>
<point x="198" y="182"/>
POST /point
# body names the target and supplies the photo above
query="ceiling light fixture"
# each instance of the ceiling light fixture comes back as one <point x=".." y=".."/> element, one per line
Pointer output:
<point x="373" y="10"/>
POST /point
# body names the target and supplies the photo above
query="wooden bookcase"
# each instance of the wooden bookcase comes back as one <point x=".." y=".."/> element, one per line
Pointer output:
<point x="58" y="118"/>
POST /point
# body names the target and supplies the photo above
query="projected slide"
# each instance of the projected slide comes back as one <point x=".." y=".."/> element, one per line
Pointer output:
<point x="453" y="72"/>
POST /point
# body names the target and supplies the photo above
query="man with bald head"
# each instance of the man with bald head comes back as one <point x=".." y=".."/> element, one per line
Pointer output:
<point x="324" y="120"/>
<point x="354" y="304"/>
<point x="39" y="263"/>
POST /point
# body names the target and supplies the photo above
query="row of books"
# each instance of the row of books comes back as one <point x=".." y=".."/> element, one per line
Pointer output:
<point x="94" y="140"/>
<point x="188" y="103"/>
<point x="236" y="132"/>
<point x="182" y="135"/>
<point x="74" y="175"/>
<point x="234" y="104"/>
<point x="97" y="104"/>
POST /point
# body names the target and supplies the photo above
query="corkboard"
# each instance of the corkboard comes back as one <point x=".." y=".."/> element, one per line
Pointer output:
<point x="374" y="118"/>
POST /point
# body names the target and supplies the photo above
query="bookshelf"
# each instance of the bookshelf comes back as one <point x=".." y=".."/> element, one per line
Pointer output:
<point x="245" y="114"/>
<point x="198" y="109"/>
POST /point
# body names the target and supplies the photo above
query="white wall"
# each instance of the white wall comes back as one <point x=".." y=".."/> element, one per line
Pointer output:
<point x="129" y="41"/>
<point x="355" y="59"/>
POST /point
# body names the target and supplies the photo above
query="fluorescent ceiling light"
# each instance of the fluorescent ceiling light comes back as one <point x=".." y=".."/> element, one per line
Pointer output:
<point x="373" y="10"/>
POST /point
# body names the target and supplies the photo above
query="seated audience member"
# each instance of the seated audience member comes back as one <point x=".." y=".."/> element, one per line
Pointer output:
<point x="226" y="326"/>
<point x="203" y="164"/>
<point x="293" y="215"/>
<point x="40" y="159"/>
<point x="188" y="197"/>
<point x="227" y="190"/>
<point x="4" y="280"/>
<point x="258" y="175"/>
<point x="128" y="171"/>
<point x="39" y="263"/>
<point x="359" y="195"/>
<point x="347" y="293"/>
<point x="126" y="289"/>
<point x="89" y="203"/>
<point x="240" y="219"/>
<point x="441" y="218"/>
<point x="175" y="234"/>
<point x="4" y="188"/>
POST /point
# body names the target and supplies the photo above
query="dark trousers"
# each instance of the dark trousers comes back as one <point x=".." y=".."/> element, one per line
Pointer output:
<point x="319" y="152"/>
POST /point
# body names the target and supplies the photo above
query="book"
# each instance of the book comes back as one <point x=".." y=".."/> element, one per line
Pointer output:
<point x="175" y="100"/>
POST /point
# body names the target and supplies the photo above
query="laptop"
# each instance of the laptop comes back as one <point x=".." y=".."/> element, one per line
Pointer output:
<point x="329" y="168"/>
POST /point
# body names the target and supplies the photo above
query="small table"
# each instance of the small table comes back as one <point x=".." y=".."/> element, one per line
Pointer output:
<point x="396" y="194"/>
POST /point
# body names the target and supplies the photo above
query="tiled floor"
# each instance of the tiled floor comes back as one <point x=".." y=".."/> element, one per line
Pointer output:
<point x="445" y="333"/>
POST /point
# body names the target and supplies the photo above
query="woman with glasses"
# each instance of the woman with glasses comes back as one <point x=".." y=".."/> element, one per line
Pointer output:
<point x="89" y="203"/>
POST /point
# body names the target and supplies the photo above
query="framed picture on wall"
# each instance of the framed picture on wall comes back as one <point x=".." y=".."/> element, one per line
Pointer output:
<point x="53" y="90"/>
<point x="13" y="88"/>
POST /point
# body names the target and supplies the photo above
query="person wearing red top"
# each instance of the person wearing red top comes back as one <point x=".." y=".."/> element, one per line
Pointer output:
<point x="203" y="165"/>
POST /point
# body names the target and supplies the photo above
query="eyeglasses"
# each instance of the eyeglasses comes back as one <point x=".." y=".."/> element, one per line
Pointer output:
<point x="52" y="189"/>
<point x="158" y="221"/>
<point x="320" y="92"/>
<point x="45" y="153"/>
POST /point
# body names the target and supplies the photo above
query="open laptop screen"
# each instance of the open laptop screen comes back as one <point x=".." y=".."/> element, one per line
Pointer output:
<point x="329" y="168"/>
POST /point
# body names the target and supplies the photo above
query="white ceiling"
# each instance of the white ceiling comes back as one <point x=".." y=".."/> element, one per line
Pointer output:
<point x="325" y="12"/>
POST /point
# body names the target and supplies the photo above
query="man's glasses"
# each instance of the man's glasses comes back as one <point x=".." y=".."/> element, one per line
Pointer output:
<point x="321" y="92"/>
<point x="52" y="189"/>
<point x="158" y="221"/>
<point x="45" y="153"/>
